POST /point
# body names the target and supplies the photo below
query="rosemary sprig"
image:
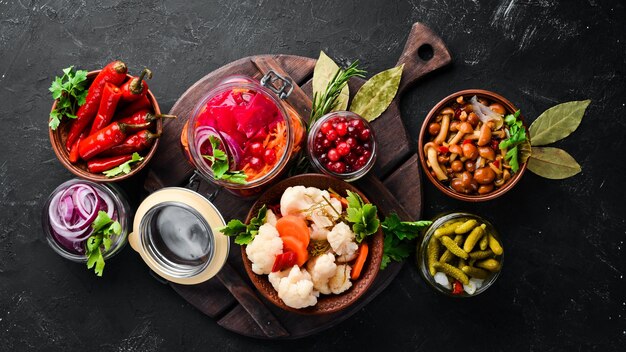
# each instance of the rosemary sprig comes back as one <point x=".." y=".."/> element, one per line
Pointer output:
<point x="324" y="103"/>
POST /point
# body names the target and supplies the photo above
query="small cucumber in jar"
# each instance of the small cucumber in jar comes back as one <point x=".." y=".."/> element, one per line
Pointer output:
<point x="489" y="264"/>
<point x="453" y="247"/>
<point x="466" y="227"/>
<point x="495" y="246"/>
<point x="473" y="237"/>
<point x="453" y="272"/>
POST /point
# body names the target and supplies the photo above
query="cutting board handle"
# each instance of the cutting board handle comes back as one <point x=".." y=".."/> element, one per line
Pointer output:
<point x="423" y="53"/>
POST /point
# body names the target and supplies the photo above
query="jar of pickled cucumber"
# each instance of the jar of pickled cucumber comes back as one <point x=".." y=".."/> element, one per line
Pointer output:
<point x="460" y="255"/>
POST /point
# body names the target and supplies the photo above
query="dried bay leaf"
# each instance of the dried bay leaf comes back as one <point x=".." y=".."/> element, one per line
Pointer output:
<point x="325" y="70"/>
<point x="377" y="93"/>
<point x="525" y="151"/>
<point x="557" y="122"/>
<point x="552" y="163"/>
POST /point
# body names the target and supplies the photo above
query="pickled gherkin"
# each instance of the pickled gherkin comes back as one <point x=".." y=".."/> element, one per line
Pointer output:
<point x="453" y="247"/>
<point x="481" y="254"/>
<point x="495" y="246"/>
<point x="484" y="242"/>
<point x="433" y="254"/>
<point x="452" y="271"/>
<point x="473" y="238"/>
<point x="466" y="227"/>
<point x="447" y="255"/>
<point x="475" y="272"/>
<point x="489" y="264"/>
<point x="447" y="230"/>
<point x="461" y="263"/>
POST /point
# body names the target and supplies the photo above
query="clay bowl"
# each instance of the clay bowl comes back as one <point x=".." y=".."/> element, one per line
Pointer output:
<point x="325" y="303"/>
<point x="59" y="136"/>
<point x="424" y="137"/>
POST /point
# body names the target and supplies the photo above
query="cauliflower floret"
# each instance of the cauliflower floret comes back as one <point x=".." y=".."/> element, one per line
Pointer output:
<point x="340" y="282"/>
<point x="270" y="218"/>
<point x="262" y="251"/>
<point x="296" y="288"/>
<point x="312" y="203"/>
<point x="321" y="269"/>
<point x="318" y="233"/>
<point x="341" y="239"/>
<point x="276" y="276"/>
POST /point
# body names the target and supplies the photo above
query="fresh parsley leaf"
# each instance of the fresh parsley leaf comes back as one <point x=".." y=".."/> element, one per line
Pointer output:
<point x="220" y="165"/>
<point x="103" y="229"/>
<point x="70" y="92"/>
<point x="124" y="168"/>
<point x="244" y="234"/>
<point x="398" y="237"/>
<point x="364" y="217"/>
<point x="517" y="133"/>
<point x="512" y="157"/>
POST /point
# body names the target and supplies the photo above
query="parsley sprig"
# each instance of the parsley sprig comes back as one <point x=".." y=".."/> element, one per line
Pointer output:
<point x="244" y="234"/>
<point x="103" y="228"/>
<point x="398" y="238"/>
<point x="220" y="164"/>
<point x="517" y="133"/>
<point x="70" y="91"/>
<point x="364" y="217"/>
<point x="123" y="168"/>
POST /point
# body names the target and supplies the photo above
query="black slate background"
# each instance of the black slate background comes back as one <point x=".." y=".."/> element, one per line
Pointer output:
<point x="562" y="287"/>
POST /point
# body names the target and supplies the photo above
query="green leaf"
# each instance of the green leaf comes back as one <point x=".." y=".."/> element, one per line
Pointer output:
<point x="67" y="71"/>
<point x="123" y="168"/>
<point x="233" y="228"/>
<point x="323" y="74"/>
<point x="91" y="259"/>
<point x="107" y="243"/>
<point x="244" y="234"/>
<point x="82" y="98"/>
<point x="377" y="93"/>
<point x="99" y="264"/>
<point x="552" y="163"/>
<point x="56" y="88"/>
<point x="55" y="120"/>
<point x="398" y="237"/>
<point x="557" y="122"/>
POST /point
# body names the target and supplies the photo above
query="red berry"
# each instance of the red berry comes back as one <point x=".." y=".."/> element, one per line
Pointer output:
<point x="326" y="126"/>
<point x="329" y="165"/>
<point x="351" y="158"/>
<point x="365" y="135"/>
<point x="331" y="135"/>
<point x="319" y="135"/>
<point x="338" y="167"/>
<point x="269" y="156"/>
<point x="367" y="154"/>
<point x="333" y="155"/>
<point x="367" y="146"/>
<point x="326" y="143"/>
<point x="353" y="132"/>
<point x="351" y="142"/>
<point x="256" y="149"/>
<point x="341" y="128"/>
<point x="359" y="149"/>
<point x="256" y="163"/>
<point x="343" y="148"/>
<point x="358" y="124"/>
<point x="323" y="158"/>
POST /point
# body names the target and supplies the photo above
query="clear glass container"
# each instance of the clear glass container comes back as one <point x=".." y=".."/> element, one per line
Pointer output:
<point x="348" y="166"/>
<point x="74" y="250"/>
<point x="422" y="256"/>
<point x="226" y="118"/>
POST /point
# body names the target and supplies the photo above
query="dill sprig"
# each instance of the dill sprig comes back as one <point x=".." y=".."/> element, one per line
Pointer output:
<point x="324" y="103"/>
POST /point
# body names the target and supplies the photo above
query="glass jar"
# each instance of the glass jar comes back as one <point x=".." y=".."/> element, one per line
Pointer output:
<point x="175" y="231"/>
<point x="422" y="253"/>
<point x="73" y="248"/>
<point x="258" y="134"/>
<point x="342" y="144"/>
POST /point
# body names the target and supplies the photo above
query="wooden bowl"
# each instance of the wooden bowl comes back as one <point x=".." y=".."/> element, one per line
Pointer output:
<point x="59" y="136"/>
<point x="325" y="303"/>
<point x="510" y="108"/>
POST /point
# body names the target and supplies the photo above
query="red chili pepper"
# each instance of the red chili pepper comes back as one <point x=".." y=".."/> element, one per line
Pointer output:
<point x="110" y="98"/>
<point x="143" y="116"/>
<point x="496" y="163"/>
<point x="284" y="261"/>
<point x="468" y="141"/>
<point x="141" y="103"/>
<point x="73" y="157"/>
<point x="135" y="143"/>
<point x="457" y="288"/>
<point x="495" y="144"/>
<point x="443" y="149"/>
<point x="136" y="87"/>
<point x="115" y="72"/>
<point x="104" y="164"/>
<point x="103" y="139"/>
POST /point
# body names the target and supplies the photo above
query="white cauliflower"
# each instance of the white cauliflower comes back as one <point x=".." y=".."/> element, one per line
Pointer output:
<point x="321" y="269"/>
<point x="296" y="288"/>
<point x="318" y="233"/>
<point x="276" y="276"/>
<point x="270" y="218"/>
<point x="340" y="282"/>
<point x="312" y="203"/>
<point x="341" y="239"/>
<point x="264" y="248"/>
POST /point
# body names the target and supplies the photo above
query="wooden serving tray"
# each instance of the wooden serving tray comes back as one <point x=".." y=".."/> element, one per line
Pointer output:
<point x="394" y="185"/>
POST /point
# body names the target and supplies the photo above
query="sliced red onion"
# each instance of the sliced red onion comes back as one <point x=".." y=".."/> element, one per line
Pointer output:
<point x="233" y="149"/>
<point x="485" y="114"/>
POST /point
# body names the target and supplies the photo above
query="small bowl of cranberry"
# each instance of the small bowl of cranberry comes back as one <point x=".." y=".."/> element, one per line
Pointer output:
<point x="342" y="144"/>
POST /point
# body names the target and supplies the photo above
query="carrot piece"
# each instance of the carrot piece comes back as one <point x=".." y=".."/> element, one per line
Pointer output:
<point x="360" y="261"/>
<point x="344" y="202"/>
<point x="294" y="226"/>
<point x="292" y="244"/>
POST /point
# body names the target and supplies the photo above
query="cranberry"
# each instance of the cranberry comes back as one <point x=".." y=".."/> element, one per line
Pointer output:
<point x="319" y="135"/>
<point x="351" y="141"/>
<point x="323" y="158"/>
<point x="318" y="148"/>
<point x="367" y="146"/>
<point x="326" y="126"/>
<point x="343" y="148"/>
<point x="326" y="143"/>
<point x="329" y="165"/>
<point x="365" y="134"/>
<point x="333" y="155"/>
<point x="269" y="156"/>
<point x="358" y="124"/>
<point x="359" y="149"/>
<point x="338" y="167"/>
<point x="367" y="154"/>
<point x="332" y="135"/>
<point x="351" y="158"/>
<point x="342" y="128"/>
<point x="339" y="119"/>
<point x="256" y="163"/>
<point x="256" y="149"/>
<point x="353" y="132"/>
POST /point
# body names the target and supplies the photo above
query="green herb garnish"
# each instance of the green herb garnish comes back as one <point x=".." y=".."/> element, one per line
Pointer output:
<point x="398" y="237"/>
<point x="244" y="234"/>
<point x="103" y="228"/>
<point x="517" y="133"/>
<point x="220" y="164"/>
<point x="363" y="217"/>
<point x="123" y="168"/>
<point x="70" y="91"/>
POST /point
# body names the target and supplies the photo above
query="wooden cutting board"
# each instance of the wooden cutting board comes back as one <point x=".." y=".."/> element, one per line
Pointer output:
<point x="394" y="185"/>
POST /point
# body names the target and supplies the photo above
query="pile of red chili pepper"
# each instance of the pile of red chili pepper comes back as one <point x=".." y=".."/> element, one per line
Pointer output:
<point x="115" y="121"/>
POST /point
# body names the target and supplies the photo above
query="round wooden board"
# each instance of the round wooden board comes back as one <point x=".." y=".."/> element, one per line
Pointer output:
<point x="394" y="186"/>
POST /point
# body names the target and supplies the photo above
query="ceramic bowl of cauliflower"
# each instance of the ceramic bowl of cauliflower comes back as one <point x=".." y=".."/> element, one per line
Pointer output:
<point x="308" y="255"/>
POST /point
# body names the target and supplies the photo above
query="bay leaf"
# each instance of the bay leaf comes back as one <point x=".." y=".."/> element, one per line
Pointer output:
<point x="524" y="151"/>
<point x="325" y="70"/>
<point x="552" y="163"/>
<point x="557" y="122"/>
<point x="377" y="93"/>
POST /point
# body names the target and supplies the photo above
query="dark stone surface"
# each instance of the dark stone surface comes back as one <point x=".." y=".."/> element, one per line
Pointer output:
<point x="562" y="287"/>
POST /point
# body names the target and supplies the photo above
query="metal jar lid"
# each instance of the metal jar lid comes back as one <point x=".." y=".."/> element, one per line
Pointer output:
<point x="175" y="232"/>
